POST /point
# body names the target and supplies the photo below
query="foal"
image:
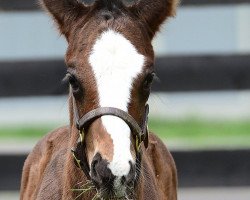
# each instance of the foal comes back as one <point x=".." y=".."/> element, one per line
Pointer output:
<point x="110" y="63"/>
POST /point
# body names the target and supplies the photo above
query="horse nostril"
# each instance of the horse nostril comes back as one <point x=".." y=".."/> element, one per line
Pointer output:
<point x="93" y="166"/>
<point x="100" y="173"/>
<point x="94" y="170"/>
<point x="131" y="175"/>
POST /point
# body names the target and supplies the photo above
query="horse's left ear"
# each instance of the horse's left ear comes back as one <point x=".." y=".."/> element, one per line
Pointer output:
<point x="154" y="12"/>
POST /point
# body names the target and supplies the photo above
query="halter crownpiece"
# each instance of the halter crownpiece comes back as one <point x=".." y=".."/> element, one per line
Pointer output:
<point x="140" y="133"/>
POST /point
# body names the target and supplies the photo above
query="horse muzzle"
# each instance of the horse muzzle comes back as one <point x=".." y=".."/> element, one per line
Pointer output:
<point x="108" y="184"/>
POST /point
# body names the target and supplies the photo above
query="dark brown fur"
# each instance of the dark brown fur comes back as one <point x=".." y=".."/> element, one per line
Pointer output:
<point x="49" y="171"/>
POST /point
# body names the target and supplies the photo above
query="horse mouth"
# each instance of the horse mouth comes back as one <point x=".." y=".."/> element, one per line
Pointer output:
<point x="116" y="194"/>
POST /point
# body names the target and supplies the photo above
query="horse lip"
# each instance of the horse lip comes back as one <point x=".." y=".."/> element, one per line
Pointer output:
<point x="113" y="193"/>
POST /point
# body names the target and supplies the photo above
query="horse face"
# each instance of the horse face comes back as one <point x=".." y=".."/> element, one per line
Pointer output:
<point x="114" y="69"/>
<point x="110" y="64"/>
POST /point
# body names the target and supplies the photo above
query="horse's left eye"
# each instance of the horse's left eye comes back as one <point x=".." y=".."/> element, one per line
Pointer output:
<point x="148" y="81"/>
<point x="73" y="83"/>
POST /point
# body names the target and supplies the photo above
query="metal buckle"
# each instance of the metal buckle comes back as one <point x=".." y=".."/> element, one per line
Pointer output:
<point x="138" y="142"/>
<point x="82" y="136"/>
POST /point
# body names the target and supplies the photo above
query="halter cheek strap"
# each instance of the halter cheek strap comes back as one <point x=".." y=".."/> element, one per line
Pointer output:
<point x="140" y="133"/>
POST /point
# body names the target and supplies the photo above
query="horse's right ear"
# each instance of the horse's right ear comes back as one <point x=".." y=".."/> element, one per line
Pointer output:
<point x="64" y="12"/>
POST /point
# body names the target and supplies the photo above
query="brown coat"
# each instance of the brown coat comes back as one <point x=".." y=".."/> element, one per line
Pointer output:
<point x="49" y="171"/>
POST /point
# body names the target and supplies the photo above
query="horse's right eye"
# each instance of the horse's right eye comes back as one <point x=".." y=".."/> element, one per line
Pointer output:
<point x="74" y="83"/>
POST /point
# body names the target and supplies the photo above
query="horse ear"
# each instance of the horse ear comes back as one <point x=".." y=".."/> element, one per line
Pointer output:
<point x="64" y="12"/>
<point x="154" y="12"/>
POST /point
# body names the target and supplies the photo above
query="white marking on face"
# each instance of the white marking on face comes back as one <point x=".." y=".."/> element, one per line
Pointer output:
<point x="116" y="63"/>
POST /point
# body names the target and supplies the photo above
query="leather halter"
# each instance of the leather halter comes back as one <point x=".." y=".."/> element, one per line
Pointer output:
<point x="140" y="132"/>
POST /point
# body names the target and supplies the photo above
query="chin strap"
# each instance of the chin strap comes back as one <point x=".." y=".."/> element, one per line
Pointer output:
<point x="140" y="133"/>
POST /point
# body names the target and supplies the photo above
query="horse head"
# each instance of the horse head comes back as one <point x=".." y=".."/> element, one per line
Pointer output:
<point x="110" y="64"/>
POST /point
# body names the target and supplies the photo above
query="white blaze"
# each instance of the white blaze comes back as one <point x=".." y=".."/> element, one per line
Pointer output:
<point x="116" y="63"/>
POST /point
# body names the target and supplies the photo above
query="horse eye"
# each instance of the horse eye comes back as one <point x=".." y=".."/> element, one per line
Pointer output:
<point x="148" y="81"/>
<point x="73" y="83"/>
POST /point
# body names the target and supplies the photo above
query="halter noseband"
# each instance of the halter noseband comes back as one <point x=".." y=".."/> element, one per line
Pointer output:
<point x="140" y="133"/>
